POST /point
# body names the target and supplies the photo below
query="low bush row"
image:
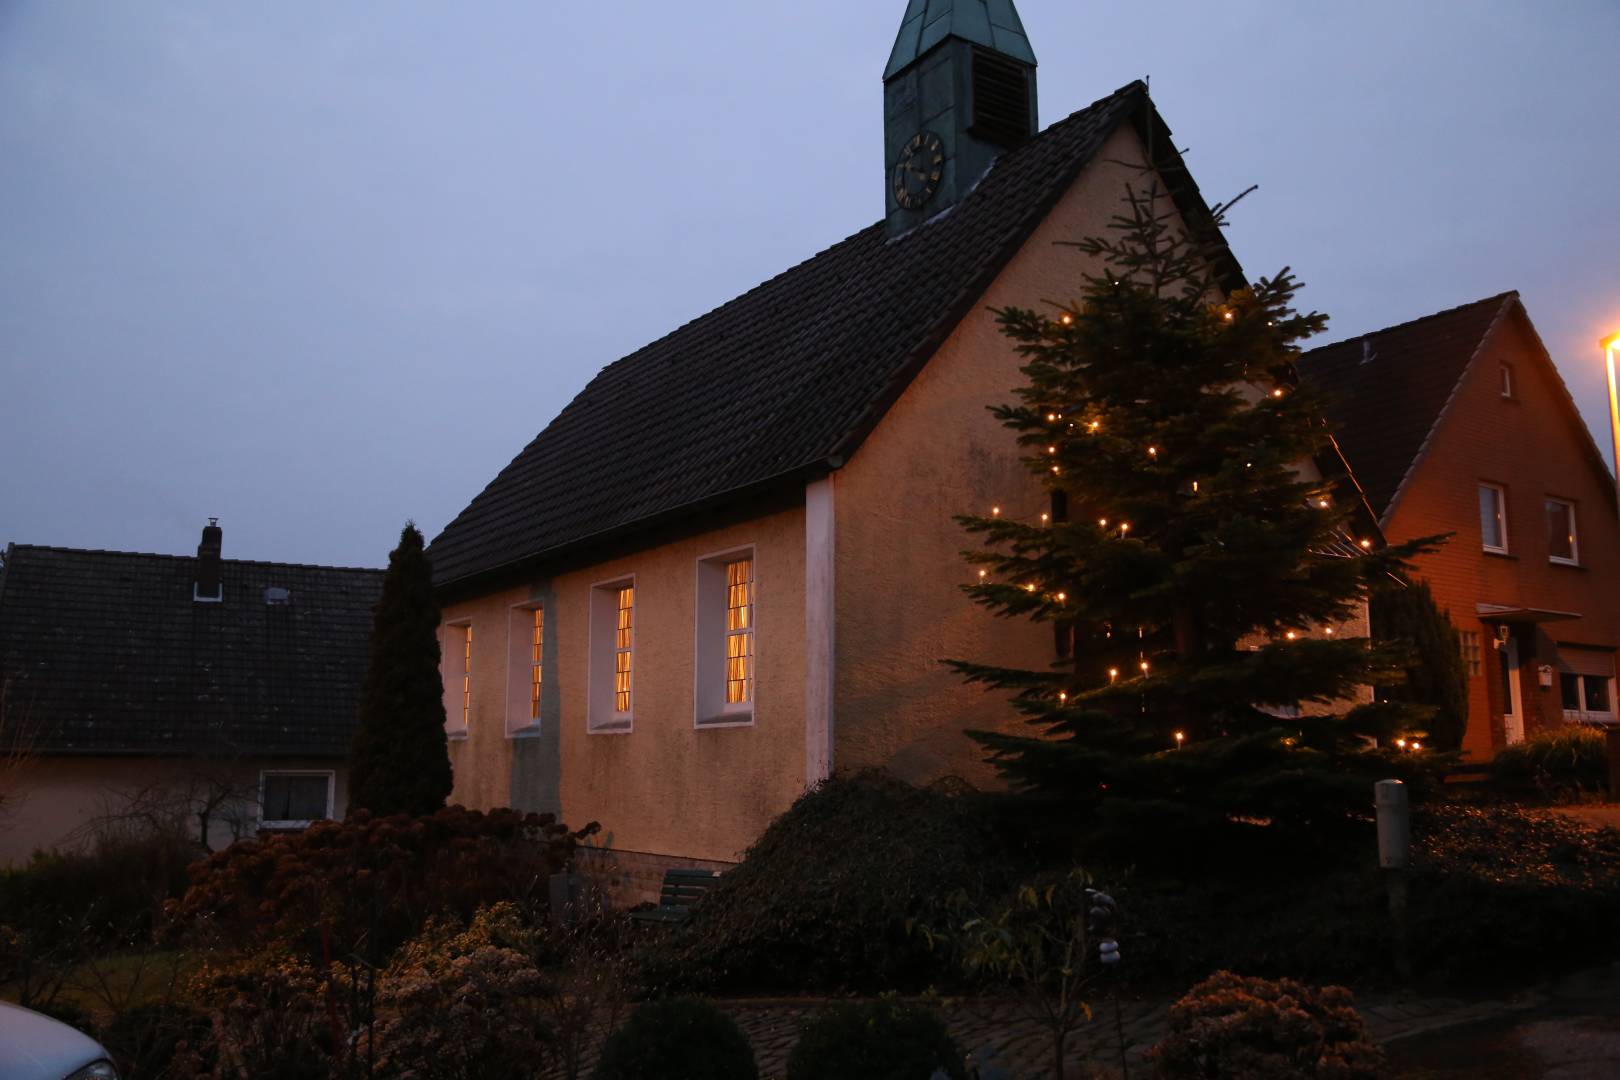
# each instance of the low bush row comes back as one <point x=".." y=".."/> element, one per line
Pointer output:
<point x="364" y="886"/>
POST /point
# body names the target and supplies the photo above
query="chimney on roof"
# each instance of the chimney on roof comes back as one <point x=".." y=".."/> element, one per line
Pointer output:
<point x="208" y="588"/>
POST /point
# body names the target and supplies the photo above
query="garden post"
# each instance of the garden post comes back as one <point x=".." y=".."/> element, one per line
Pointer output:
<point x="1394" y="857"/>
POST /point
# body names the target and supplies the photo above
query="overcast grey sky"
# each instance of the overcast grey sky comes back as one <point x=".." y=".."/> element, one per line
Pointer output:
<point x="316" y="268"/>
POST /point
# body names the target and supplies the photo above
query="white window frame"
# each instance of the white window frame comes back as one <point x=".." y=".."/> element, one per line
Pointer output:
<point x="521" y="723"/>
<point x="1583" y="715"/>
<point x="331" y="797"/>
<point x="709" y="707"/>
<point x="1509" y="384"/>
<point x="602" y="716"/>
<point x="455" y="672"/>
<point x="1502" y="517"/>
<point x="1574" y="558"/>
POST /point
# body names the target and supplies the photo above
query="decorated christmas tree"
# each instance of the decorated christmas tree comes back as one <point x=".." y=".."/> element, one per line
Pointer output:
<point x="399" y="761"/>
<point x="1205" y="590"/>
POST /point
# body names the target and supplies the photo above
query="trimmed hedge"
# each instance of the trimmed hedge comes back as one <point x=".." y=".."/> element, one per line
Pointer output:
<point x="678" y="1037"/>
<point x="824" y="899"/>
<point x="875" y="1040"/>
<point x="1497" y="895"/>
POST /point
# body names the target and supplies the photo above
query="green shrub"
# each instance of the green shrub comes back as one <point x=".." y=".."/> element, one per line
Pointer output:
<point x="464" y="1004"/>
<point x="1566" y="762"/>
<point x="270" y="1015"/>
<point x="113" y="892"/>
<point x="372" y="883"/>
<point x="822" y="900"/>
<point x="160" y="1040"/>
<point x="875" y="1040"/>
<point x="1251" y="1029"/>
<point x="1501" y="894"/>
<point x="678" y="1039"/>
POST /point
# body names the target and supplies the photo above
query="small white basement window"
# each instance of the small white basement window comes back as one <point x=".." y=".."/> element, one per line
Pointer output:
<point x="611" y="706"/>
<point x="292" y="800"/>
<point x="525" y="669"/>
<point x="725" y="640"/>
<point x="456" y="672"/>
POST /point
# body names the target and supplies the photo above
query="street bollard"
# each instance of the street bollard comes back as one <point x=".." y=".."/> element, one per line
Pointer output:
<point x="1394" y="857"/>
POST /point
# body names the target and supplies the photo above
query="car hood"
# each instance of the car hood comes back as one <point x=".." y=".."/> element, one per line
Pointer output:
<point x="35" y="1047"/>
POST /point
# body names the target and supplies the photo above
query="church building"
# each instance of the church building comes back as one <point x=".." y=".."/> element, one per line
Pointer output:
<point x="729" y="567"/>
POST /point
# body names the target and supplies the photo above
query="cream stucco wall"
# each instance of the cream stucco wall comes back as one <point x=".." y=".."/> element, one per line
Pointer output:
<point x="665" y="787"/>
<point x="938" y="453"/>
<point x="60" y="799"/>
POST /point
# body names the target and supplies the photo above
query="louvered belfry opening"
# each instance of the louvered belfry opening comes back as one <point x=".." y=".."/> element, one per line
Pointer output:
<point x="1001" y="104"/>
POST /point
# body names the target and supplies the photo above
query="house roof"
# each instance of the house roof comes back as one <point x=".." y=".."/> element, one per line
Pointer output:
<point x="1387" y="390"/>
<point x="108" y="653"/>
<point x="786" y="380"/>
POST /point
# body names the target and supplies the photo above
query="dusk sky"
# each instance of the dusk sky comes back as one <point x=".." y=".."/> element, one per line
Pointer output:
<point x="315" y="269"/>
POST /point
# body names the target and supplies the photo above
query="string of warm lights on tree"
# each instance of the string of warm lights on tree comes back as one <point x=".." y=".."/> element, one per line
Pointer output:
<point x="1160" y="416"/>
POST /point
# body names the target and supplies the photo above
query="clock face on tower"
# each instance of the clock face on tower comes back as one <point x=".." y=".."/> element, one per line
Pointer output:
<point x="918" y="169"/>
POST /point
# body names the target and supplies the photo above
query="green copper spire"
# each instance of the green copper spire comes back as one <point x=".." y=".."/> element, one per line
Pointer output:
<point x="993" y="24"/>
<point x="959" y="92"/>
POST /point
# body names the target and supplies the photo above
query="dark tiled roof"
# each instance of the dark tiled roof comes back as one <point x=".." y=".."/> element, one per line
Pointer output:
<point x="1386" y="389"/>
<point x="784" y="380"/>
<point x="107" y="652"/>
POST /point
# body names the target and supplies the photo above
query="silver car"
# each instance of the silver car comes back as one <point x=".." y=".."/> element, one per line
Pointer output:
<point x="35" y="1047"/>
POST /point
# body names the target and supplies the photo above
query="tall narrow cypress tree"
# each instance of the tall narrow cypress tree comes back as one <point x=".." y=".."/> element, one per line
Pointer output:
<point x="399" y="762"/>
<point x="1202" y="581"/>
<point x="1436" y="675"/>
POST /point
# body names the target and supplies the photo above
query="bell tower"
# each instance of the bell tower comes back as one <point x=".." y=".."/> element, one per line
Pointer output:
<point x="958" y="92"/>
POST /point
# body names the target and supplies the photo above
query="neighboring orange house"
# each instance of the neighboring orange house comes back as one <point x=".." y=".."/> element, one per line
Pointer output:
<point x="730" y="566"/>
<point x="1459" y="423"/>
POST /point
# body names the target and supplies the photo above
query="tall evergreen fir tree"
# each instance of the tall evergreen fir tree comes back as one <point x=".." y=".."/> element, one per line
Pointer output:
<point x="1435" y="674"/>
<point x="399" y="762"/>
<point x="1197" y="581"/>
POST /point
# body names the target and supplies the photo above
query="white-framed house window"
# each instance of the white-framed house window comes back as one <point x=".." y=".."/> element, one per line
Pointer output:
<point x="1507" y="381"/>
<point x="611" y="705"/>
<point x="525" y="669"/>
<point x="725" y="638"/>
<point x="1586" y="680"/>
<point x="1493" y="522"/>
<point x="292" y="800"/>
<point x="456" y="672"/>
<point x="1563" y="541"/>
